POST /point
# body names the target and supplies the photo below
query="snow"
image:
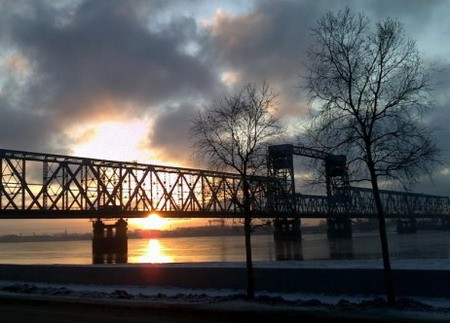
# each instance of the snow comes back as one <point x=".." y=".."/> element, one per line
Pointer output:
<point x="434" y="308"/>
<point x="232" y="299"/>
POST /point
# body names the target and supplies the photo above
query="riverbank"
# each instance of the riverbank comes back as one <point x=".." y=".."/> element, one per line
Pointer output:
<point x="342" y="278"/>
<point x="321" y="291"/>
<point x="24" y="302"/>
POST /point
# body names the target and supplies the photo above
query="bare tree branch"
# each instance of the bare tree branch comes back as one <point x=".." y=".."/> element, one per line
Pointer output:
<point x="234" y="133"/>
<point x="368" y="88"/>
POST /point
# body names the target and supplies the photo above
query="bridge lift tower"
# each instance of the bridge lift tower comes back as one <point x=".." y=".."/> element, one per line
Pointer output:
<point x="281" y="165"/>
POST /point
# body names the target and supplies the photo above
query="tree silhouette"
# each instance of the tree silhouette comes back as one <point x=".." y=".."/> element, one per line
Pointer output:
<point x="368" y="89"/>
<point x="233" y="134"/>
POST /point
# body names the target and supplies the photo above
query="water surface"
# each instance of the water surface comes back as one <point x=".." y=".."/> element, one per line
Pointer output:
<point x="424" y="245"/>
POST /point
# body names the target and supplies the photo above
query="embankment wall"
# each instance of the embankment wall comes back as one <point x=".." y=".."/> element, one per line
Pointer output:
<point x="348" y="281"/>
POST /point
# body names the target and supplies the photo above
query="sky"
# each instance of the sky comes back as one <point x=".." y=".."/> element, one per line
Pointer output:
<point x="121" y="79"/>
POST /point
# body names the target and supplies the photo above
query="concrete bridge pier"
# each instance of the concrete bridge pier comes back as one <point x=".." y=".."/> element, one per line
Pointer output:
<point x="287" y="229"/>
<point x="339" y="228"/>
<point x="288" y="239"/>
<point x="407" y="226"/>
<point x="288" y="249"/>
<point x="110" y="242"/>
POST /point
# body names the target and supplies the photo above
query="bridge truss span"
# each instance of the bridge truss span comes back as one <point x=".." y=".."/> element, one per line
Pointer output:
<point x="35" y="185"/>
<point x="360" y="204"/>
<point x="47" y="185"/>
<point x="396" y="204"/>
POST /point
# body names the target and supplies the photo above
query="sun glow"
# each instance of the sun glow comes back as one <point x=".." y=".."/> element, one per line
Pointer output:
<point x="125" y="141"/>
<point x="152" y="222"/>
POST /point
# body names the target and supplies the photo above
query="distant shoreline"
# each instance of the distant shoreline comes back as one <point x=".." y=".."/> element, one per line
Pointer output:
<point x="190" y="232"/>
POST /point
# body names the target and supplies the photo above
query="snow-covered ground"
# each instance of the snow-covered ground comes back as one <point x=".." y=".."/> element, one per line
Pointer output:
<point x="180" y="294"/>
<point x="233" y="299"/>
<point x="425" y="308"/>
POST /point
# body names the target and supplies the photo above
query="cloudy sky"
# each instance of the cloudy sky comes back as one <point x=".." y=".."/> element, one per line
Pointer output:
<point x="121" y="79"/>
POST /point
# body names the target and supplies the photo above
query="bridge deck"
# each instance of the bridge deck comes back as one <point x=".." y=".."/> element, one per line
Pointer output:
<point x="68" y="214"/>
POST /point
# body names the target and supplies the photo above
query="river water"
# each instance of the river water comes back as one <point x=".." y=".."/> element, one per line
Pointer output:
<point x="424" y="245"/>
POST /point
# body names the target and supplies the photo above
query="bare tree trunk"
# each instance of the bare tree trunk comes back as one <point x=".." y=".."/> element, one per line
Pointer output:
<point x="249" y="261"/>
<point x="248" y="244"/>
<point x="388" y="276"/>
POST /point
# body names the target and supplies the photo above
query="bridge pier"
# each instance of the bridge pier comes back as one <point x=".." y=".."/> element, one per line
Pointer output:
<point x="109" y="242"/>
<point x="408" y="226"/>
<point x="288" y="239"/>
<point x="288" y="250"/>
<point x="287" y="229"/>
<point x="340" y="228"/>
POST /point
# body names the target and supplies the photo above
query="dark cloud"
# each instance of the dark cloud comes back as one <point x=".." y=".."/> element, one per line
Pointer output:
<point x="171" y="133"/>
<point x="27" y="131"/>
<point x="107" y="52"/>
<point x="267" y="43"/>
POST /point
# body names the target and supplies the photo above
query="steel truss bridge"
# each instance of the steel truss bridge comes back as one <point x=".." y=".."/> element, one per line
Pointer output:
<point x="360" y="204"/>
<point x="49" y="186"/>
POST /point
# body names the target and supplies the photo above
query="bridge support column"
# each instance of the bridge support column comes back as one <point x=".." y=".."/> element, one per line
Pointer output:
<point x="287" y="229"/>
<point x="110" y="242"/>
<point x="288" y="239"/>
<point x="406" y="226"/>
<point x="340" y="228"/>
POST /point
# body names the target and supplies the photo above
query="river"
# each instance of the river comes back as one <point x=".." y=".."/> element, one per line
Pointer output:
<point x="424" y="245"/>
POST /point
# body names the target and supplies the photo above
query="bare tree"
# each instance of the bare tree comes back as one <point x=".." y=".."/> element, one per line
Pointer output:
<point x="234" y="134"/>
<point x="368" y="89"/>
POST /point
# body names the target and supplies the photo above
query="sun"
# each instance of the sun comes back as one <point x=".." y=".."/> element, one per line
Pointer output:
<point x="151" y="222"/>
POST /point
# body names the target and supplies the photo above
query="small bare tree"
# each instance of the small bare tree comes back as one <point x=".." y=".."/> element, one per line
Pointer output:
<point x="234" y="134"/>
<point x="368" y="89"/>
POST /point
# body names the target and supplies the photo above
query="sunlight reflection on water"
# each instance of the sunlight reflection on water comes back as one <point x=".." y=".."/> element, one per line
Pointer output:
<point x="154" y="253"/>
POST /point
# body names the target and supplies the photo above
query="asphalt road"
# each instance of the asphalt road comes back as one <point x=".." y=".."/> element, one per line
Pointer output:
<point x="32" y="311"/>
